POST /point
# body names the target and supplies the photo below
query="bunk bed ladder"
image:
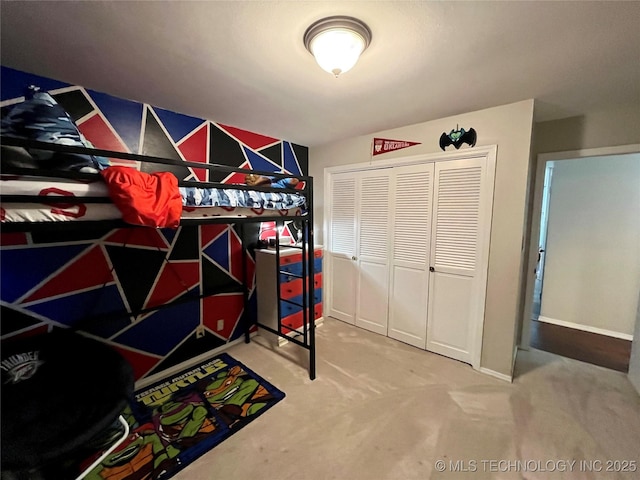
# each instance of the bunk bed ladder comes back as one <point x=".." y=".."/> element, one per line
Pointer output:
<point x="308" y="298"/>
<point x="305" y="287"/>
<point x="308" y="287"/>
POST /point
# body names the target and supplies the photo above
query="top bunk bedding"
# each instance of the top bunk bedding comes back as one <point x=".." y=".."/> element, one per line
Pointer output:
<point x="60" y="200"/>
<point x="51" y="173"/>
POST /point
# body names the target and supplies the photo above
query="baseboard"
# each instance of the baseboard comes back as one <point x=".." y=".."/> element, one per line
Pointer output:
<point x="498" y="375"/>
<point x="586" y="328"/>
<point x="283" y="341"/>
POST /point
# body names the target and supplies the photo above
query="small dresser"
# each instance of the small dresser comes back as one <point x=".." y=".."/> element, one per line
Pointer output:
<point x="291" y="288"/>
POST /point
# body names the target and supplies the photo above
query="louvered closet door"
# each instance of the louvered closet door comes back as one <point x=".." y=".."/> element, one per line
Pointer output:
<point x="373" y="251"/>
<point x="456" y="296"/>
<point x="411" y="230"/>
<point x="341" y="248"/>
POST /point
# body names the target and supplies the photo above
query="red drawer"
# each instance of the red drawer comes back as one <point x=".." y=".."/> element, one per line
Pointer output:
<point x="294" y="288"/>
<point x="295" y="320"/>
<point x="289" y="259"/>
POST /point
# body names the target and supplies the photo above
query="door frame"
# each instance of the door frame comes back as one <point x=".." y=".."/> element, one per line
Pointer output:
<point x="489" y="152"/>
<point x="544" y="218"/>
<point x="542" y="159"/>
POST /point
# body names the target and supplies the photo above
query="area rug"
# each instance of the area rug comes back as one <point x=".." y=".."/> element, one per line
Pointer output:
<point x="178" y="419"/>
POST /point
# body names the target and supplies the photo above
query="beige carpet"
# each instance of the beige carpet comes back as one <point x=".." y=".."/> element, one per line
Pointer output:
<point x="381" y="409"/>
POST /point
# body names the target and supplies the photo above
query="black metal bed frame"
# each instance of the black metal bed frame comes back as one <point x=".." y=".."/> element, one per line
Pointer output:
<point x="304" y="339"/>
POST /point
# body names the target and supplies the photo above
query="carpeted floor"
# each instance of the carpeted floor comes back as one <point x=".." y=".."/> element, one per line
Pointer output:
<point x="380" y="409"/>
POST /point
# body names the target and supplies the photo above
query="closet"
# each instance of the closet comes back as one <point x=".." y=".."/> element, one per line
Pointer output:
<point x="407" y="249"/>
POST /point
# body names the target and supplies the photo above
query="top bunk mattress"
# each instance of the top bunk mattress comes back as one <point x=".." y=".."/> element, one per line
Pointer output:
<point x="197" y="202"/>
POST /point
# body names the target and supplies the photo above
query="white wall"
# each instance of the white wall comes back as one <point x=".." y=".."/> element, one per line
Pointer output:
<point x="592" y="267"/>
<point x="616" y="126"/>
<point x="507" y="126"/>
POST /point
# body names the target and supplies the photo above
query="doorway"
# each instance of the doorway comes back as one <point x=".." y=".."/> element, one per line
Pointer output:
<point x="542" y="241"/>
<point x="587" y="270"/>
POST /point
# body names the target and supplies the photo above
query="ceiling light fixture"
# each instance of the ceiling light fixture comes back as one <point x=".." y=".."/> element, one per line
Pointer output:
<point x="337" y="42"/>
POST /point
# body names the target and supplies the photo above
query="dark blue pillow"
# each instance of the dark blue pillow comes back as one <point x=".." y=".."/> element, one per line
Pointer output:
<point x="41" y="118"/>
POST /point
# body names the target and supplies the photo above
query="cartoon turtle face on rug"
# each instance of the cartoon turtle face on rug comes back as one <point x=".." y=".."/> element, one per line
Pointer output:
<point x="140" y="457"/>
<point x="183" y="421"/>
<point x="235" y="396"/>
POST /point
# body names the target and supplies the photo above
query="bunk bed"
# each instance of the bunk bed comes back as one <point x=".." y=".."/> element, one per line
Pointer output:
<point x="34" y="198"/>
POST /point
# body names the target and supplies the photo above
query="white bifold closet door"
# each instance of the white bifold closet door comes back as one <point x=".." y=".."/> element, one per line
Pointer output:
<point x="412" y="190"/>
<point x="358" y="253"/>
<point x="373" y="251"/>
<point x="457" y="282"/>
<point x="408" y="252"/>
<point x="341" y="253"/>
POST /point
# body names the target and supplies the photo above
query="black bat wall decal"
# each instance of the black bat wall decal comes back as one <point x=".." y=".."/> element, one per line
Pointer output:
<point x="457" y="137"/>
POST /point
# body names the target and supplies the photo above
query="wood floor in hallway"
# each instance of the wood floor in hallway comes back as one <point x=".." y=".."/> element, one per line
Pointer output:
<point x="588" y="347"/>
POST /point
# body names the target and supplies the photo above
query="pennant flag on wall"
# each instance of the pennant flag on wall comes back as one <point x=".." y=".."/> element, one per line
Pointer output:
<point x="385" y="145"/>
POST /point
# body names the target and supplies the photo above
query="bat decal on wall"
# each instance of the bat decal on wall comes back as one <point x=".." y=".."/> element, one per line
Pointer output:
<point x="457" y="137"/>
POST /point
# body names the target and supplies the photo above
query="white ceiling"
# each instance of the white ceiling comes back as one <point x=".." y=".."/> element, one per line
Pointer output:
<point x="244" y="64"/>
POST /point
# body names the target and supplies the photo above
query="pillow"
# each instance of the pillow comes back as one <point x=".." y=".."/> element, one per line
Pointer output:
<point x="41" y="118"/>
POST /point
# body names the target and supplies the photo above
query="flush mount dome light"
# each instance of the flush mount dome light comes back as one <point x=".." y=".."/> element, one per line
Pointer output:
<point x="337" y="42"/>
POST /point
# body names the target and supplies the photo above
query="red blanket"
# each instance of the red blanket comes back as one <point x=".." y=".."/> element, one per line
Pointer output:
<point x="149" y="199"/>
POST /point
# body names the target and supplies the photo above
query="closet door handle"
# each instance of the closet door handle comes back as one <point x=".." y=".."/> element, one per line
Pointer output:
<point x="431" y="269"/>
<point x="354" y="258"/>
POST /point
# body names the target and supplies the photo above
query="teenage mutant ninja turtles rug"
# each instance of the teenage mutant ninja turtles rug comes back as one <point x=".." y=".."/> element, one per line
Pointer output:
<point x="176" y="420"/>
